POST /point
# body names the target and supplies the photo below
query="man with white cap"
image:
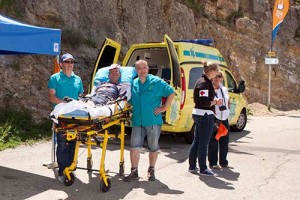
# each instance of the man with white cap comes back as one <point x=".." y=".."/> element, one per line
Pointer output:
<point x="64" y="84"/>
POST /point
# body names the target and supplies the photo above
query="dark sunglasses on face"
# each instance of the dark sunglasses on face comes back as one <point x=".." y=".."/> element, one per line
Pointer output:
<point x="69" y="62"/>
<point x="218" y="76"/>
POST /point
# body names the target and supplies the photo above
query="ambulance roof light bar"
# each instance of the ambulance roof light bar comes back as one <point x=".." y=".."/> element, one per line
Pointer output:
<point x="206" y="42"/>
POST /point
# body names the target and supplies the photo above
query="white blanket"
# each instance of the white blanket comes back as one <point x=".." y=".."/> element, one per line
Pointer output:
<point x="94" y="111"/>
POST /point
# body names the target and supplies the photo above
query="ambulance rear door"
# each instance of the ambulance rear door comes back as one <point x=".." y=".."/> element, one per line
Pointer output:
<point x="172" y="114"/>
<point x="108" y="54"/>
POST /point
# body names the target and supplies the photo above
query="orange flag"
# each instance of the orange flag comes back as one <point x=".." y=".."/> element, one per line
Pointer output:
<point x="280" y="10"/>
<point x="56" y="67"/>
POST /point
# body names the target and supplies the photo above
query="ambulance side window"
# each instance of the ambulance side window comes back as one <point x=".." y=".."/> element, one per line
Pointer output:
<point x="195" y="74"/>
<point x="230" y="81"/>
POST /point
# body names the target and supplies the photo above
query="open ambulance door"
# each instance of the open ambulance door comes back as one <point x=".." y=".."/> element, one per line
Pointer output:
<point x="108" y="54"/>
<point x="172" y="114"/>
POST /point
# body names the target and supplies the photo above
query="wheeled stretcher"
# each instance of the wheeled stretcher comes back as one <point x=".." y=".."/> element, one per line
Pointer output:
<point x="93" y="131"/>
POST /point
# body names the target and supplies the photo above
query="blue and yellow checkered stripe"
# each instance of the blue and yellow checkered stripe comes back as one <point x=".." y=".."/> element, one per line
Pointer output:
<point x="202" y="55"/>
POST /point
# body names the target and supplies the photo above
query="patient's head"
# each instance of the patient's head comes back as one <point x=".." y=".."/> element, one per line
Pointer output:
<point x="114" y="73"/>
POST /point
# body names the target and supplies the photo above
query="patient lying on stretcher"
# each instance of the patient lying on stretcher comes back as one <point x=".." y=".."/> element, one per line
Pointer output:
<point x="102" y="101"/>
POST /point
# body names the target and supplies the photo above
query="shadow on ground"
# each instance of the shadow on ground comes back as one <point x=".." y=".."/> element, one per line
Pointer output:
<point x="222" y="180"/>
<point x="17" y="185"/>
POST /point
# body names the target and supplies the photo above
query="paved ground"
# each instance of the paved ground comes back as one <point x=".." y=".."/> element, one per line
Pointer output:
<point x="265" y="158"/>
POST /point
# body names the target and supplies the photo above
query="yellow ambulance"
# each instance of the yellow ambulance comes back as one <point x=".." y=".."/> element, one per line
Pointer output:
<point x="179" y="63"/>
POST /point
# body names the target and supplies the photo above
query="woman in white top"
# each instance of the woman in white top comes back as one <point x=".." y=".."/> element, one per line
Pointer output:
<point x="221" y="113"/>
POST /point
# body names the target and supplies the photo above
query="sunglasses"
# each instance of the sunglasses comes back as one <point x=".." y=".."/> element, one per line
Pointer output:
<point x="218" y="76"/>
<point x="69" y="62"/>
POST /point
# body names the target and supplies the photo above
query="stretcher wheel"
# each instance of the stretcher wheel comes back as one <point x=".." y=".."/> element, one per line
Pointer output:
<point x="103" y="187"/>
<point x="69" y="182"/>
<point x="121" y="170"/>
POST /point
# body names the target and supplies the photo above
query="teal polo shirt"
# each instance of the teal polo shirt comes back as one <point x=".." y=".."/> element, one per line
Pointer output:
<point x="65" y="86"/>
<point x="145" y="98"/>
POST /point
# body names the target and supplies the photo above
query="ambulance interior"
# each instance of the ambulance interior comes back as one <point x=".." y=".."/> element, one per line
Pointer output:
<point x="157" y="59"/>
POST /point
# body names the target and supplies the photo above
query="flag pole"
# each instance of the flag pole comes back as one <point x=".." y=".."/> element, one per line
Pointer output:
<point x="269" y="92"/>
<point x="53" y="163"/>
<point x="280" y="10"/>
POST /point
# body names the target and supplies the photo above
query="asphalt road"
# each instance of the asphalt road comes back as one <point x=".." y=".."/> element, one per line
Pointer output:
<point x="265" y="157"/>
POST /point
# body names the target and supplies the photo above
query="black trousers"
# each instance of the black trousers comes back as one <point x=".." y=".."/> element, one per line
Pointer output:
<point x="220" y="147"/>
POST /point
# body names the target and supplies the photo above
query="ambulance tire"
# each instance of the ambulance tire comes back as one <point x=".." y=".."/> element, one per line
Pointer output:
<point x="241" y="122"/>
<point x="189" y="136"/>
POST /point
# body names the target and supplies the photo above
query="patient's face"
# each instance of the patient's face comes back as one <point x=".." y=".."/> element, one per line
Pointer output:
<point x="114" y="75"/>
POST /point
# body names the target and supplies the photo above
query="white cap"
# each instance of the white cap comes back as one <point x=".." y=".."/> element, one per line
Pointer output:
<point x="66" y="57"/>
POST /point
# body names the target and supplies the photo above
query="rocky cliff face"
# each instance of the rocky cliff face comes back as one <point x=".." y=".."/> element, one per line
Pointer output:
<point x="240" y="29"/>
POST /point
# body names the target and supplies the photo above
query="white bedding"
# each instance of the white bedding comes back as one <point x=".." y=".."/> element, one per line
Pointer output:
<point x="93" y="110"/>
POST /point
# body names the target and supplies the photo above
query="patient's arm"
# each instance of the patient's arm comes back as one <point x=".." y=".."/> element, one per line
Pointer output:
<point x="125" y="90"/>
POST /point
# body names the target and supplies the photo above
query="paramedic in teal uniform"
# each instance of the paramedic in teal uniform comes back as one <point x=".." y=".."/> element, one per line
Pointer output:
<point x="146" y="98"/>
<point x="64" y="84"/>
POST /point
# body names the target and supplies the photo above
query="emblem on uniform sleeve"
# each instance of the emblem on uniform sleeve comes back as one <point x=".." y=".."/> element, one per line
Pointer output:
<point x="203" y="93"/>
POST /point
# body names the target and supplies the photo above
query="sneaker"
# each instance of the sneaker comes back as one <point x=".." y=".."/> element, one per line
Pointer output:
<point x="132" y="176"/>
<point x="207" y="172"/>
<point x="61" y="178"/>
<point x="194" y="171"/>
<point x="215" y="167"/>
<point x="151" y="176"/>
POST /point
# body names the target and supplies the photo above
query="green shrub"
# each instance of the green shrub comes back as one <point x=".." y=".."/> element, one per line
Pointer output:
<point x="17" y="127"/>
<point x="197" y="7"/>
<point x="15" y="65"/>
<point x="236" y="15"/>
<point x="10" y="7"/>
<point x="297" y="34"/>
<point x="72" y="38"/>
<point x="90" y="43"/>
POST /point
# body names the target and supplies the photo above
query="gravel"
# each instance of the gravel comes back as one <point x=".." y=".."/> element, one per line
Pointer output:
<point x="257" y="109"/>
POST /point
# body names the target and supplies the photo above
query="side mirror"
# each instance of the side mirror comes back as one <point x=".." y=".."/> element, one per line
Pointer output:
<point x="242" y="86"/>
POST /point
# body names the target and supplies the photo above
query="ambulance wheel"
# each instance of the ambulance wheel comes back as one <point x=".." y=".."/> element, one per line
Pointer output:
<point x="189" y="136"/>
<point x="103" y="187"/>
<point x="241" y="122"/>
<point x="121" y="170"/>
<point x="69" y="182"/>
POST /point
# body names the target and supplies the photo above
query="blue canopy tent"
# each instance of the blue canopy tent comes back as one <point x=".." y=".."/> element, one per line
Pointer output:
<point x="20" y="38"/>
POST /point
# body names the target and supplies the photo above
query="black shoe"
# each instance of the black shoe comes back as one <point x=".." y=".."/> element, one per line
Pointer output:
<point x="227" y="166"/>
<point x="151" y="176"/>
<point x="132" y="176"/>
<point x="194" y="170"/>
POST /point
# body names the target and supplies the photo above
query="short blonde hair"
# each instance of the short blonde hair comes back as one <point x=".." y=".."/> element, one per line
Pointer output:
<point x="141" y="62"/>
<point x="221" y="73"/>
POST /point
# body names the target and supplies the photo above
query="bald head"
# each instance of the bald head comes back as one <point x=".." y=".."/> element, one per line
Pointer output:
<point x="142" y="69"/>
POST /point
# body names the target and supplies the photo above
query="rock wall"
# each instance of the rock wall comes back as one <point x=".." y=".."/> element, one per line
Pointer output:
<point x="240" y="29"/>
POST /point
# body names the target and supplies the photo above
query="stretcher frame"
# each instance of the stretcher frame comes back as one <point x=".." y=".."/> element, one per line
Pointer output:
<point x="83" y="130"/>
